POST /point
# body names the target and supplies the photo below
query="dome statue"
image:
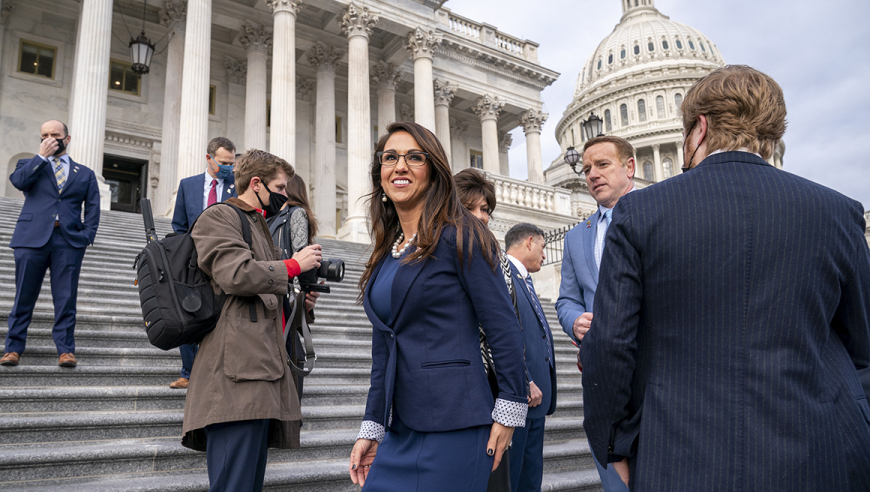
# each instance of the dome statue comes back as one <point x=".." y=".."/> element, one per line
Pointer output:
<point x="635" y="82"/>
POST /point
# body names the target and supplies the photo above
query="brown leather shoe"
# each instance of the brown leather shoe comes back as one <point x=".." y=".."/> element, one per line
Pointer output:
<point x="180" y="384"/>
<point x="67" y="360"/>
<point x="10" y="359"/>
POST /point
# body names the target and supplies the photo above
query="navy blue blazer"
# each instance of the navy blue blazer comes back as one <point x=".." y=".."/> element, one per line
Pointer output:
<point x="732" y="312"/>
<point x="537" y="342"/>
<point x="579" y="274"/>
<point x="188" y="201"/>
<point x="42" y="203"/>
<point x="427" y="361"/>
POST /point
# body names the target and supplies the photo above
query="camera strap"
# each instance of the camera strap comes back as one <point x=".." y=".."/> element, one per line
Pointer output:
<point x="310" y="356"/>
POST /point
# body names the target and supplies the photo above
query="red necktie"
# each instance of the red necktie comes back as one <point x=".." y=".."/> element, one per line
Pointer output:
<point x="212" y="195"/>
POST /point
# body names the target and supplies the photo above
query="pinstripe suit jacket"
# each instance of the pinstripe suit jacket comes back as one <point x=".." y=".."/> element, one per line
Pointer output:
<point x="732" y="311"/>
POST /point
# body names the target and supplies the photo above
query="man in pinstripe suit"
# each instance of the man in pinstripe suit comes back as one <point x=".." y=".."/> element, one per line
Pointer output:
<point x="732" y="315"/>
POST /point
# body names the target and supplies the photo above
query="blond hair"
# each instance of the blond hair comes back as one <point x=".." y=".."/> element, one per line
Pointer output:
<point x="261" y="164"/>
<point x="744" y="109"/>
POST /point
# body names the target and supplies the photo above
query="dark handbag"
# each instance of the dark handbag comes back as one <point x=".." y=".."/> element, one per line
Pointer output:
<point x="500" y="479"/>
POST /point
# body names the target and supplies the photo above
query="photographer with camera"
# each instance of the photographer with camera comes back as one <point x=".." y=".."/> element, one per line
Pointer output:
<point x="241" y="399"/>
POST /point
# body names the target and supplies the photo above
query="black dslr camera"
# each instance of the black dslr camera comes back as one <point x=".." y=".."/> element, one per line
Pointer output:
<point x="330" y="270"/>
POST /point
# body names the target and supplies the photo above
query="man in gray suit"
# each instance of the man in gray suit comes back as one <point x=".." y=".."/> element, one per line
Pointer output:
<point x="608" y="163"/>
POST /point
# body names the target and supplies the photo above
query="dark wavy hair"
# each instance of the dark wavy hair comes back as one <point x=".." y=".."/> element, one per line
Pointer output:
<point x="297" y="196"/>
<point x="442" y="208"/>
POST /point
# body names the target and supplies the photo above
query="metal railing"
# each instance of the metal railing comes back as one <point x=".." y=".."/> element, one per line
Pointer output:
<point x="554" y="243"/>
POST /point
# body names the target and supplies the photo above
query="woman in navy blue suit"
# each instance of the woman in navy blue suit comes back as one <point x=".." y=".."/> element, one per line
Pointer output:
<point x="431" y="423"/>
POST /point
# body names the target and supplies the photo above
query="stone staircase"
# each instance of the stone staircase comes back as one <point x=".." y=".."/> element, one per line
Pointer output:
<point x="113" y="424"/>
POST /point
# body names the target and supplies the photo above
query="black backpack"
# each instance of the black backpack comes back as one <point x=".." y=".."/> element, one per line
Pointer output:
<point x="178" y="304"/>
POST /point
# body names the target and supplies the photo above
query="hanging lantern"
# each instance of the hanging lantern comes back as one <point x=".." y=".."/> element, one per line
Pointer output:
<point x="141" y="51"/>
<point x="572" y="158"/>
<point x="593" y="126"/>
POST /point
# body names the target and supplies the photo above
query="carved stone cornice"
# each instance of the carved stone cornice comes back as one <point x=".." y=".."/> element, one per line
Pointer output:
<point x="358" y="21"/>
<point x="256" y="38"/>
<point x="488" y="107"/>
<point x="173" y="14"/>
<point x="407" y="112"/>
<point x="278" y="6"/>
<point x="422" y="43"/>
<point x="237" y="70"/>
<point x="305" y="89"/>
<point x="532" y="120"/>
<point x="386" y="75"/>
<point x="458" y="128"/>
<point x="324" y="57"/>
<point x="444" y="92"/>
<point x="505" y="140"/>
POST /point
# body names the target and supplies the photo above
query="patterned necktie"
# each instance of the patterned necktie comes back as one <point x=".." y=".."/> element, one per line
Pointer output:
<point x="540" y="312"/>
<point x="212" y="195"/>
<point x="59" y="174"/>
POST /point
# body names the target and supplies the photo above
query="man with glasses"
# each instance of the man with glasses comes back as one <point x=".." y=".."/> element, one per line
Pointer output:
<point x="195" y="194"/>
<point x="609" y="165"/>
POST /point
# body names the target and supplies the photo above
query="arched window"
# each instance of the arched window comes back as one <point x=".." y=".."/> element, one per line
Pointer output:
<point x="664" y="44"/>
<point x="636" y="49"/>
<point x="599" y="64"/>
<point x="623" y="113"/>
<point x="641" y="110"/>
<point x="668" y="167"/>
<point x="635" y="3"/>
<point x="660" y="107"/>
<point x="607" y="125"/>
<point x="702" y="46"/>
<point x="679" y="44"/>
<point x="678" y="101"/>
<point x="691" y="45"/>
<point x="622" y="54"/>
<point x="610" y="58"/>
<point x="648" y="171"/>
<point x="650" y="46"/>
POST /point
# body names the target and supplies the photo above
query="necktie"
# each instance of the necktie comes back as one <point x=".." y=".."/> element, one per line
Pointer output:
<point x="212" y="195"/>
<point x="540" y="312"/>
<point x="607" y="214"/>
<point x="59" y="174"/>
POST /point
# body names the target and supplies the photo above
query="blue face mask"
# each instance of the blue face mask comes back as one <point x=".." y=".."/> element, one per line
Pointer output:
<point x="223" y="171"/>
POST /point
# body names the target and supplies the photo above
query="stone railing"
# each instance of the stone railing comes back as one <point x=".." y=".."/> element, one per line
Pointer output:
<point x="488" y="35"/>
<point x="532" y="196"/>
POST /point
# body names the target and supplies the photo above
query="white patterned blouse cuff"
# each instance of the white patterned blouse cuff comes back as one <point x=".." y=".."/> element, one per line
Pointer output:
<point x="510" y="413"/>
<point x="371" y="430"/>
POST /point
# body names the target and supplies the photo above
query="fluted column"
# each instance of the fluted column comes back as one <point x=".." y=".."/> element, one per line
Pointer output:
<point x="488" y="108"/>
<point x="357" y="23"/>
<point x="679" y="167"/>
<point x="282" y="135"/>
<point x="505" y="140"/>
<point x="421" y="44"/>
<point x="257" y="40"/>
<point x="532" y="121"/>
<point x="172" y="15"/>
<point x="444" y="93"/>
<point x="88" y="114"/>
<point x="305" y="92"/>
<point x="6" y="8"/>
<point x="194" y="89"/>
<point x="657" y="162"/>
<point x="324" y="59"/>
<point x="460" y="156"/>
<point x="386" y="76"/>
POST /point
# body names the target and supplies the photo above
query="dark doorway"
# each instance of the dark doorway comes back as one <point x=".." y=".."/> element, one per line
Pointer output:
<point x="126" y="179"/>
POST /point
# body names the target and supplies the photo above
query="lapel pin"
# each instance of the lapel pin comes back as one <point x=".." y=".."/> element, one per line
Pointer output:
<point x="588" y="224"/>
<point x="76" y="169"/>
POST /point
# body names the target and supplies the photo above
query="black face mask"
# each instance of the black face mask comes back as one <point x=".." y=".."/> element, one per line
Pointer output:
<point x="61" y="146"/>
<point x="276" y="201"/>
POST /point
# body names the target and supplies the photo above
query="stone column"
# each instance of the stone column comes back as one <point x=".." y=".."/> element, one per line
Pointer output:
<point x="659" y="172"/>
<point x="305" y="90"/>
<point x="505" y="140"/>
<point x="194" y="89"/>
<point x="444" y="93"/>
<point x="386" y="76"/>
<point x="6" y="8"/>
<point x="88" y="113"/>
<point x="488" y="108"/>
<point x="460" y="157"/>
<point x="324" y="59"/>
<point x="679" y="166"/>
<point x="357" y="23"/>
<point x="257" y="41"/>
<point x="421" y="44"/>
<point x="237" y="71"/>
<point x="173" y="15"/>
<point x="282" y="132"/>
<point x="532" y="121"/>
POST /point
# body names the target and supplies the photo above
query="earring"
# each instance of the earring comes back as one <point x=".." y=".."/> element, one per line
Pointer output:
<point x="384" y="197"/>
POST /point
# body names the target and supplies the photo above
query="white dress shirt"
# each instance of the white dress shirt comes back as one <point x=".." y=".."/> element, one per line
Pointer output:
<point x="206" y="189"/>
<point x="602" y="230"/>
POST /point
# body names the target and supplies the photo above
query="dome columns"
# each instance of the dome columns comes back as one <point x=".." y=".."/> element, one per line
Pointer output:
<point x="657" y="163"/>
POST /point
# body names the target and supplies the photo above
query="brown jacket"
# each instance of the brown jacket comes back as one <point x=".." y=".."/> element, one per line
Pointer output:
<point x="240" y="371"/>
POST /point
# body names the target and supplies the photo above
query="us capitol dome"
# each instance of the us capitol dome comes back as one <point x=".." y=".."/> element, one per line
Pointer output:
<point x="635" y="82"/>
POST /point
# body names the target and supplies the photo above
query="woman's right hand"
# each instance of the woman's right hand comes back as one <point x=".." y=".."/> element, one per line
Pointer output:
<point x="309" y="257"/>
<point x="361" y="459"/>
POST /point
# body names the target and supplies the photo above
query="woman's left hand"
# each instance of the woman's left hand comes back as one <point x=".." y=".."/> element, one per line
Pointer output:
<point x="499" y="439"/>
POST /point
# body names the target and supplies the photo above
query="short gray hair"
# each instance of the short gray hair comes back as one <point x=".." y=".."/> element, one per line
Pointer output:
<point x="519" y="233"/>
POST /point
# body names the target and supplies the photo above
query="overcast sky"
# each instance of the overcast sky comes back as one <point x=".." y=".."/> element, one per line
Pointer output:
<point x="818" y="51"/>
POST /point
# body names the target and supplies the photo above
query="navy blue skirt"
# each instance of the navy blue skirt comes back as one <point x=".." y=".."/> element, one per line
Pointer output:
<point x="408" y="460"/>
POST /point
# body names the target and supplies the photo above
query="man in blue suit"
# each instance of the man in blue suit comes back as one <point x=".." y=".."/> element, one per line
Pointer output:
<point x="732" y="315"/>
<point x="525" y="250"/>
<point x="608" y="163"/>
<point x="196" y="193"/>
<point x="50" y="235"/>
